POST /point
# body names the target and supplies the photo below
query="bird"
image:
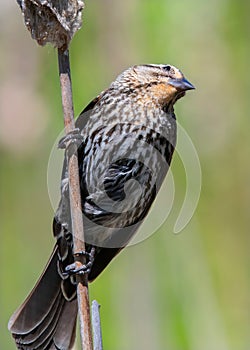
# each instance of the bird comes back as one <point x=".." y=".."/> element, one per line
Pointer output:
<point x="125" y="139"/>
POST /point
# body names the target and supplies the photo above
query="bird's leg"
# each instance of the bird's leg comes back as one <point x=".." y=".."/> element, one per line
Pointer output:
<point x="73" y="136"/>
<point x="73" y="269"/>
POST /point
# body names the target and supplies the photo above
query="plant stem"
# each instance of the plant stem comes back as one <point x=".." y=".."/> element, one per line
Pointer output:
<point x="96" y="325"/>
<point x="75" y="201"/>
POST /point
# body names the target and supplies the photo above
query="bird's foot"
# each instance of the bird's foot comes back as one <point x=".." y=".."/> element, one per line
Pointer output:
<point x="75" y="269"/>
<point x="73" y="137"/>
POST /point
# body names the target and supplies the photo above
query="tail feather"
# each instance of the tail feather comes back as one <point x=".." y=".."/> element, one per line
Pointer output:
<point x="65" y="332"/>
<point x="43" y="329"/>
<point x="40" y="300"/>
<point x="42" y="336"/>
<point x="46" y="320"/>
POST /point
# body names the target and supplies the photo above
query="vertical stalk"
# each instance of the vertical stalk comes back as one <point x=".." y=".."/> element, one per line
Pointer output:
<point x="75" y="201"/>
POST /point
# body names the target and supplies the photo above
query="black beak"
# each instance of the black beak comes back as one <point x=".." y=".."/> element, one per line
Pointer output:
<point x="181" y="84"/>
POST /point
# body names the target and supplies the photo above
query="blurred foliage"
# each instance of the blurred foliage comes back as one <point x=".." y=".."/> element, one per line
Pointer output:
<point x="181" y="292"/>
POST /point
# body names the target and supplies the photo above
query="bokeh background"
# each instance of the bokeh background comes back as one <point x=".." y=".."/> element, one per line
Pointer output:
<point x="179" y="292"/>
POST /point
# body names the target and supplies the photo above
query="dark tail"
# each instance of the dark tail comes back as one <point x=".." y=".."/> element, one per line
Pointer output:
<point x="46" y="320"/>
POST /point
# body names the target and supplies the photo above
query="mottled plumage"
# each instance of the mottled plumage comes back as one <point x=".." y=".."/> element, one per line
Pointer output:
<point x="128" y="136"/>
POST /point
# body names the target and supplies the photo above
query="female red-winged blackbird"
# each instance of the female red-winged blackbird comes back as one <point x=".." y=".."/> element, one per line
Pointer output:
<point x="127" y="138"/>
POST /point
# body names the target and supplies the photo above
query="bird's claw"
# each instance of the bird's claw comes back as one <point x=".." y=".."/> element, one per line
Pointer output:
<point x="75" y="269"/>
<point x="72" y="269"/>
<point x="73" y="136"/>
<point x="90" y="255"/>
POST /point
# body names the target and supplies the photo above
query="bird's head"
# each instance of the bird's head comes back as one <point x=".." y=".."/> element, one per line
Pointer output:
<point x="165" y="84"/>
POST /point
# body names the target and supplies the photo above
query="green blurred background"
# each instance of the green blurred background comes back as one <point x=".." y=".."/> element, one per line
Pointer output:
<point x="179" y="292"/>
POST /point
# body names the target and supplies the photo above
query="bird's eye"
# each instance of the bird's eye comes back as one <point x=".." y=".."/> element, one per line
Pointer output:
<point x="167" y="68"/>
